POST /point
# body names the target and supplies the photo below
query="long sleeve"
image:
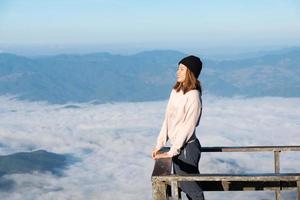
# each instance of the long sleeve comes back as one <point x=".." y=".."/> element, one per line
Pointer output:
<point x="163" y="135"/>
<point x="187" y="126"/>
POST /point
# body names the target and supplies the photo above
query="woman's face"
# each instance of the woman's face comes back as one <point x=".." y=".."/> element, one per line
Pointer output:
<point x="181" y="72"/>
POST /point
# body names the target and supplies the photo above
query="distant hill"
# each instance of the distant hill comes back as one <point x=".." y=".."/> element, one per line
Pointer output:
<point x="27" y="162"/>
<point x="145" y="76"/>
<point x="268" y="75"/>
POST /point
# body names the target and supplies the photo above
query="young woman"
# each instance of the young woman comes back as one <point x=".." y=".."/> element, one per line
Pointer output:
<point x="182" y="116"/>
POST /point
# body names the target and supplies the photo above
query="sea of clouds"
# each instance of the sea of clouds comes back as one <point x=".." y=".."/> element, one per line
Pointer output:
<point x="114" y="141"/>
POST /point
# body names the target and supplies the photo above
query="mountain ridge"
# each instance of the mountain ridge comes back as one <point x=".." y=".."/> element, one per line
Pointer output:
<point x="144" y="76"/>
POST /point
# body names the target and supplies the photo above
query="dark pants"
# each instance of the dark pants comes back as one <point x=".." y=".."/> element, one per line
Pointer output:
<point x="187" y="163"/>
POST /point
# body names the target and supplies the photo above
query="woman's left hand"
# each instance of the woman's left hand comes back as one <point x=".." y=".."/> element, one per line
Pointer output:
<point x="161" y="155"/>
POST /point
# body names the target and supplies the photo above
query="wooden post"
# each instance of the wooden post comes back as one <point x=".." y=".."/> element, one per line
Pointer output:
<point x="159" y="190"/>
<point x="225" y="185"/>
<point x="277" y="161"/>
<point x="277" y="171"/>
<point x="162" y="167"/>
<point x="175" y="190"/>
<point x="162" y="177"/>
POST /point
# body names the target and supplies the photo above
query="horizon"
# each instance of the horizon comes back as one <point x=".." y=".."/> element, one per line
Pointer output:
<point x="213" y="56"/>
<point x="207" y="28"/>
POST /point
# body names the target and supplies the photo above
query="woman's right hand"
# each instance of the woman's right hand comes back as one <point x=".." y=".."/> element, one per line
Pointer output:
<point x="154" y="152"/>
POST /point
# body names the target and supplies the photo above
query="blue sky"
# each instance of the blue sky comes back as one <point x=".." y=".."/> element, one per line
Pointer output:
<point x="127" y="25"/>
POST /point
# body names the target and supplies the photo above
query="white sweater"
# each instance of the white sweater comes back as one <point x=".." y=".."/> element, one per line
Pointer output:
<point x="182" y="116"/>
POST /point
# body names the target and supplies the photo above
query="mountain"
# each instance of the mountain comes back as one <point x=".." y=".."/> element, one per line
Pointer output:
<point x="276" y="74"/>
<point x="100" y="76"/>
<point x="146" y="76"/>
<point x="26" y="162"/>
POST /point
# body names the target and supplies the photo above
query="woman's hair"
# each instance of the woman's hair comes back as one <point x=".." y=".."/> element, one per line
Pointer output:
<point x="190" y="83"/>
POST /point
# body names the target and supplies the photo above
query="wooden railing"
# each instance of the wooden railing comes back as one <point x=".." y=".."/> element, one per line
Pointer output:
<point x="164" y="184"/>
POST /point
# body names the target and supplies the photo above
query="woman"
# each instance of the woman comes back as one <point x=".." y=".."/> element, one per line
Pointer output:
<point x="182" y="116"/>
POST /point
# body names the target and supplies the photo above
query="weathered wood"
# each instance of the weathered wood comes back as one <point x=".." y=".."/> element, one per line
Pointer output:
<point x="227" y="182"/>
<point x="232" y="177"/>
<point x="277" y="171"/>
<point x="247" y="185"/>
<point x="175" y="190"/>
<point x="277" y="161"/>
<point x="277" y="194"/>
<point x="162" y="167"/>
<point x="269" y="181"/>
<point x="245" y="148"/>
<point x="250" y="148"/>
<point x="159" y="190"/>
<point x="225" y="185"/>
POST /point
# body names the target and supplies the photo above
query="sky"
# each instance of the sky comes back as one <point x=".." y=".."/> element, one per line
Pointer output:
<point x="114" y="143"/>
<point x="136" y="25"/>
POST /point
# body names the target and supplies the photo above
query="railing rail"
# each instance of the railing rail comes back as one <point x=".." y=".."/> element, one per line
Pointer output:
<point x="162" y="178"/>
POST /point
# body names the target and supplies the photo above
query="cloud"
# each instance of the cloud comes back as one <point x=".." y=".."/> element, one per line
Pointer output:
<point x="114" y="142"/>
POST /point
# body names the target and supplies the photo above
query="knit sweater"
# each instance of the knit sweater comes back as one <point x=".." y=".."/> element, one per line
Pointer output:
<point x="182" y="116"/>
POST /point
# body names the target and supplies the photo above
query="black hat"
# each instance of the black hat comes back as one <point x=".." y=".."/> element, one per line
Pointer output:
<point x="193" y="63"/>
